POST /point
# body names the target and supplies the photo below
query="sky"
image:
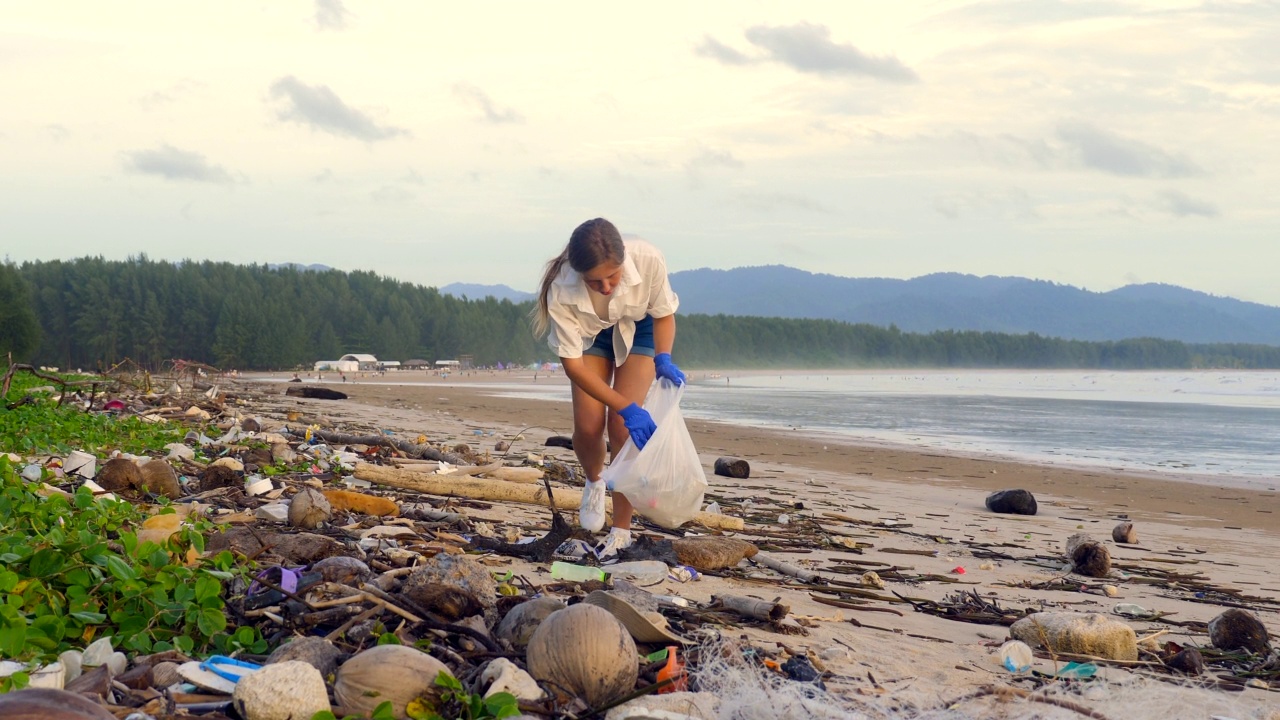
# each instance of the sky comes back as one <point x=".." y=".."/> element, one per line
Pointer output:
<point x="1090" y="143"/>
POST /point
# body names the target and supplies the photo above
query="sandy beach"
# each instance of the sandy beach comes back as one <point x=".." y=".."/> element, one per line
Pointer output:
<point x="919" y="516"/>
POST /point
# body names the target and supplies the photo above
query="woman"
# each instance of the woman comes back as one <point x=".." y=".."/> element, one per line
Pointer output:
<point x="611" y="314"/>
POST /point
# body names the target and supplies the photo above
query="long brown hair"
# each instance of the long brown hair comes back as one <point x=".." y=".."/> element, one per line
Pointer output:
<point x="592" y="243"/>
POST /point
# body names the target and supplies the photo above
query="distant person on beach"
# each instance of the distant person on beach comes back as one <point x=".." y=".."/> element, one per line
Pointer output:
<point x="610" y="313"/>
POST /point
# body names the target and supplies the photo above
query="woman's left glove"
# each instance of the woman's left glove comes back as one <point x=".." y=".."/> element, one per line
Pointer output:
<point x="666" y="369"/>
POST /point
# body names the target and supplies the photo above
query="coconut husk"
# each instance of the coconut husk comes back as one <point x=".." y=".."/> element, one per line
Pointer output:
<point x="218" y="476"/>
<point x="711" y="552"/>
<point x="159" y="477"/>
<point x="119" y="474"/>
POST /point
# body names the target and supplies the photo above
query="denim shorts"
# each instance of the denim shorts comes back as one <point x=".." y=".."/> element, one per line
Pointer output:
<point x="641" y="345"/>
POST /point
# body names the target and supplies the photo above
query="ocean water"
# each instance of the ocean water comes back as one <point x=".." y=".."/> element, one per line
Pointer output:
<point x="1212" y="426"/>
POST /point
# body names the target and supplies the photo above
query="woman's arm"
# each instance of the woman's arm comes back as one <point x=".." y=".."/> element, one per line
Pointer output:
<point x="593" y="384"/>
<point x="664" y="334"/>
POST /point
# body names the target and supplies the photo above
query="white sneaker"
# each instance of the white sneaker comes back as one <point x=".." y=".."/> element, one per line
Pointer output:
<point x="591" y="511"/>
<point x="617" y="539"/>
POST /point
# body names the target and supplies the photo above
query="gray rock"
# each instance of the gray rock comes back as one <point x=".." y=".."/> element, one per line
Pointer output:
<point x="314" y="651"/>
<point x="1077" y="633"/>
<point x="283" y="691"/>
<point x="444" y="582"/>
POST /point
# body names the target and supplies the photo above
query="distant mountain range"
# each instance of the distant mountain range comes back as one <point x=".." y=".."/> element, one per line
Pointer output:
<point x="475" y="291"/>
<point x="952" y="301"/>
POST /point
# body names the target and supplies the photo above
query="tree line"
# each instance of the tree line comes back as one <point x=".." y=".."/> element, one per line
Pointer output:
<point x="91" y="312"/>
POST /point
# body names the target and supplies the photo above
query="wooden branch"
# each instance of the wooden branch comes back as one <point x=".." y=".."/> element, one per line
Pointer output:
<point x="540" y="550"/>
<point x="500" y="491"/>
<point x="64" y="384"/>
<point x="411" y="449"/>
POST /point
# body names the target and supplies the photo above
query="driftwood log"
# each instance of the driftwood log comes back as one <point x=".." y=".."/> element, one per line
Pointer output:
<point x="427" y="452"/>
<point x="751" y="607"/>
<point x="501" y="491"/>
<point x="733" y="467"/>
<point x="497" y="470"/>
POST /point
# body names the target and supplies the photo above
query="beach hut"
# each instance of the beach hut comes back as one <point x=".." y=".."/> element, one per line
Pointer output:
<point x="389" y="364"/>
<point x="351" y="362"/>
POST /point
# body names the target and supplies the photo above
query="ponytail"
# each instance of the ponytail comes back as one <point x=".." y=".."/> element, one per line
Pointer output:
<point x="541" y="313"/>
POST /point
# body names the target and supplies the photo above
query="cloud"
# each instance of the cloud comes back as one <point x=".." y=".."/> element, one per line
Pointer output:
<point x="1041" y="12"/>
<point x="714" y="158"/>
<point x="331" y="15"/>
<point x="769" y="202"/>
<point x="808" y="48"/>
<point x="1011" y="204"/>
<point x="717" y="50"/>
<point x="185" y="86"/>
<point x="709" y="159"/>
<point x="172" y="163"/>
<point x="1182" y="205"/>
<point x="1098" y="149"/>
<point x="479" y="99"/>
<point x="320" y="108"/>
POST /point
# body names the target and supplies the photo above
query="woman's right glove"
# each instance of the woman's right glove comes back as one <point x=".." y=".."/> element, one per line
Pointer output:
<point x="639" y="424"/>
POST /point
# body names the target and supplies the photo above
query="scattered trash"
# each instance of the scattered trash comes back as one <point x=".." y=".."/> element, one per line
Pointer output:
<point x="1016" y="656"/>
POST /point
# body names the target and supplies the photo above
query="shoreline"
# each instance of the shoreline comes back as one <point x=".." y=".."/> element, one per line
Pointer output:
<point x="1146" y="495"/>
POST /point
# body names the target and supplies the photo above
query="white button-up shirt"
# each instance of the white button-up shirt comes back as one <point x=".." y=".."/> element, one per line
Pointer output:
<point x="644" y="289"/>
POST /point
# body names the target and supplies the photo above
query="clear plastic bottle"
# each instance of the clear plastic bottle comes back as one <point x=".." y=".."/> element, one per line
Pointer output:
<point x="640" y="572"/>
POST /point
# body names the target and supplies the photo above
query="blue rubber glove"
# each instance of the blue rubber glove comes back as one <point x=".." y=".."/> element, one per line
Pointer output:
<point x="666" y="369"/>
<point x="639" y="424"/>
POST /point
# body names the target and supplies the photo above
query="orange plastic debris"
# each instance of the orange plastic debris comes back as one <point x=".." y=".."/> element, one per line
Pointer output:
<point x="361" y="503"/>
<point x="673" y="671"/>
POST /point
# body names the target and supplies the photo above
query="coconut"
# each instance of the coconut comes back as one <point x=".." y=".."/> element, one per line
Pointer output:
<point x="584" y="651"/>
<point x="119" y="474"/>
<point x="308" y="509"/>
<point x="1088" y="556"/>
<point x="159" y="477"/>
<point x="1237" y="629"/>
<point x="1125" y="534"/>
<point x="395" y="673"/>
<point x="522" y="620"/>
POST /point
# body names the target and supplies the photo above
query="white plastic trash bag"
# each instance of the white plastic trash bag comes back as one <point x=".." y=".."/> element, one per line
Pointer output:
<point x="665" y="481"/>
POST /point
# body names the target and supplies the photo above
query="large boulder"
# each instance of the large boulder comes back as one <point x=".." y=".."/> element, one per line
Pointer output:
<point x="1078" y="633"/>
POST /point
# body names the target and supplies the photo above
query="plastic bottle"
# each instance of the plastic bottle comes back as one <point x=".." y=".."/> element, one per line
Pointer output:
<point x="1016" y="656"/>
<point x="673" y="671"/>
<point x="641" y="572"/>
<point x="576" y="573"/>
